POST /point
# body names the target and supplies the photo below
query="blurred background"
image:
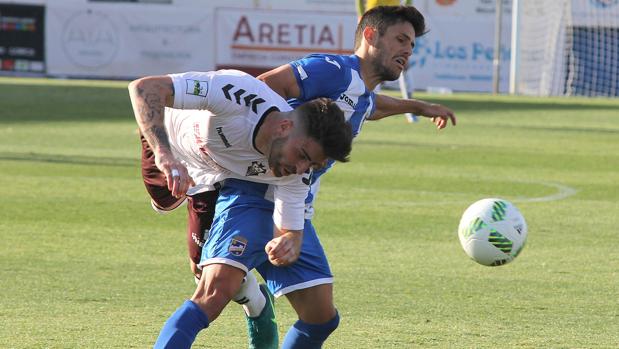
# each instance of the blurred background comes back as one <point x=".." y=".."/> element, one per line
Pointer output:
<point x="533" y="47"/>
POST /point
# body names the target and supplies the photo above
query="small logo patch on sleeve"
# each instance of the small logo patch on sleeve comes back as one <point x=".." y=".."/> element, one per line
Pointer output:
<point x="197" y="88"/>
<point x="302" y="73"/>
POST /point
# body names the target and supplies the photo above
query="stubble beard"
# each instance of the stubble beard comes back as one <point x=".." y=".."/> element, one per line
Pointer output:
<point x="275" y="156"/>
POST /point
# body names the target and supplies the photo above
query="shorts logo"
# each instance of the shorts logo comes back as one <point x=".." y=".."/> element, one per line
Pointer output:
<point x="237" y="245"/>
<point x="197" y="240"/>
<point x="256" y="168"/>
<point x="196" y="88"/>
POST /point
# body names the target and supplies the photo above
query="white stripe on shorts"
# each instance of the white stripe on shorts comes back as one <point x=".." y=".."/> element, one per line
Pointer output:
<point x="303" y="285"/>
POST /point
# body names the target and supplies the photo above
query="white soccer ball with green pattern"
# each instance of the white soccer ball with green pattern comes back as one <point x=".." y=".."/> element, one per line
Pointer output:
<point x="492" y="232"/>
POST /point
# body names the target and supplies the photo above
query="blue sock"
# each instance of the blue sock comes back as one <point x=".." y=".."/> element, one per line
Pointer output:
<point x="182" y="327"/>
<point x="307" y="336"/>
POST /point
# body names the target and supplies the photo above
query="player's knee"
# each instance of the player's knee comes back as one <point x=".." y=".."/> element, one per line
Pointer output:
<point x="319" y="332"/>
<point x="216" y="289"/>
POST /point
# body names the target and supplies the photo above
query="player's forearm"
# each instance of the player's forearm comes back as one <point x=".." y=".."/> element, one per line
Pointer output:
<point x="279" y="232"/>
<point x="149" y="97"/>
<point x="387" y="106"/>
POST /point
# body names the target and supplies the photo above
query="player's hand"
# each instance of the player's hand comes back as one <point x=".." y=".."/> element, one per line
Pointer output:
<point x="285" y="249"/>
<point x="439" y="114"/>
<point x="177" y="177"/>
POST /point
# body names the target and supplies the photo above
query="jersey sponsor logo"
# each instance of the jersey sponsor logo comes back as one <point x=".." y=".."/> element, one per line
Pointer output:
<point x="221" y="134"/>
<point x="238" y="94"/>
<point x="348" y="100"/>
<point x="256" y="168"/>
<point x="329" y="60"/>
<point x="196" y="87"/>
<point x="237" y="245"/>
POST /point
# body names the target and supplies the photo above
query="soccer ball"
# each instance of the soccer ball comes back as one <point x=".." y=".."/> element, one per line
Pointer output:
<point x="492" y="232"/>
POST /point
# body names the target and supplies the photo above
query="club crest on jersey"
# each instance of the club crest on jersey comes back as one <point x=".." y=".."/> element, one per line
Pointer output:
<point x="196" y="87"/>
<point x="237" y="245"/>
<point x="256" y="168"/>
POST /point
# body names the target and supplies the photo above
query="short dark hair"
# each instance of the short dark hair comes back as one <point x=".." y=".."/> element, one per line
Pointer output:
<point x="383" y="17"/>
<point x="324" y="122"/>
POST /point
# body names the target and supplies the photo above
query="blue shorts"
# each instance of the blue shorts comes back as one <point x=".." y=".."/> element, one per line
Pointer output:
<point x="242" y="227"/>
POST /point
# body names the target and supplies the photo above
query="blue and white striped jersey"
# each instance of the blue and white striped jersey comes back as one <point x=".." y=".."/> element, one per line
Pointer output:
<point x="336" y="77"/>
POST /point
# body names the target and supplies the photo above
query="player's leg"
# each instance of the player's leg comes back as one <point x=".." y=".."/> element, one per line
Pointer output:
<point x="317" y="317"/>
<point x="259" y="314"/>
<point x="405" y="88"/>
<point x="217" y="286"/>
<point x="308" y="285"/>
<point x="236" y="195"/>
<point x="162" y="200"/>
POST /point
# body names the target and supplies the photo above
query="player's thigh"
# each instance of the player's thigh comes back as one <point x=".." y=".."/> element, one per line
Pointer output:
<point x="238" y="236"/>
<point x="200" y="213"/>
<point x="314" y="305"/>
<point x="155" y="181"/>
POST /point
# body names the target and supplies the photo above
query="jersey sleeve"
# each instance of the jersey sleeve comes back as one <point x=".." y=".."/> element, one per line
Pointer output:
<point x="289" y="199"/>
<point x="320" y="76"/>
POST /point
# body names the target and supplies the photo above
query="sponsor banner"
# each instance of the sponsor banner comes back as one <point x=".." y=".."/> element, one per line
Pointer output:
<point x="254" y="38"/>
<point x="22" y="38"/>
<point x="595" y="13"/>
<point x="127" y="40"/>
<point x="460" y="60"/>
<point x="465" y="8"/>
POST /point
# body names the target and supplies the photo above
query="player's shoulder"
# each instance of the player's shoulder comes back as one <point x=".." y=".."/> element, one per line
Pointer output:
<point x="326" y="68"/>
<point x="238" y="77"/>
<point x="338" y="62"/>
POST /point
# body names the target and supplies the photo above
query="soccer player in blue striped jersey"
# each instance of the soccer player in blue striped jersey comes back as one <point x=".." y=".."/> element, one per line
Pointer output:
<point x="384" y="41"/>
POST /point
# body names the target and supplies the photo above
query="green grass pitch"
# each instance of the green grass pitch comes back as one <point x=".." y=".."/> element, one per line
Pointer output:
<point x="85" y="262"/>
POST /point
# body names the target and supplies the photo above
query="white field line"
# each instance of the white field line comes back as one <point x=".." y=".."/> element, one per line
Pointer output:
<point x="563" y="192"/>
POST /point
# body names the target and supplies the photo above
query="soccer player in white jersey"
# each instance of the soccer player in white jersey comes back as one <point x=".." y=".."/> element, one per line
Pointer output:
<point x="384" y="40"/>
<point x="223" y="129"/>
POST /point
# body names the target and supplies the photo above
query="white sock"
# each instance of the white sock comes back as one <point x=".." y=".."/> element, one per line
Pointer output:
<point x="250" y="297"/>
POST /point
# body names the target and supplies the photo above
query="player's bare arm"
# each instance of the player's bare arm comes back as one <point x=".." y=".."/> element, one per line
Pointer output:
<point x="387" y="106"/>
<point x="285" y="247"/>
<point x="149" y="97"/>
<point x="282" y="81"/>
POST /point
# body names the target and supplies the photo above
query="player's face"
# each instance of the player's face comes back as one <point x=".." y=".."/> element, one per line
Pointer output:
<point x="295" y="155"/>
<point x="392" y="50"/>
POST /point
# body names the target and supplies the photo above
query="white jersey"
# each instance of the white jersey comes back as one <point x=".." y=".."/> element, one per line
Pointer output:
<point x="212" y="128"/>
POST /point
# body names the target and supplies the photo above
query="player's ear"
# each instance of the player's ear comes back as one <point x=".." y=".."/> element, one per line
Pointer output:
<point x="370" y="34"/>
<point x="285" y="127"/>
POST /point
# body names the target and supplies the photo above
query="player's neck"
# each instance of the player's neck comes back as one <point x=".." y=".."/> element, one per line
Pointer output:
<point x="266" y="132"/>
<point x="370" y="78"/>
